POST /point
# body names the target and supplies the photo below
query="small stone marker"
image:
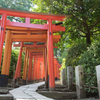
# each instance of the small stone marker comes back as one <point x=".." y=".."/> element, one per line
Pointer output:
<point x="98" y="78"/>
<point x="79" y="70"/>
<point x="70" y="76"/>
<point x="63" y="76"/>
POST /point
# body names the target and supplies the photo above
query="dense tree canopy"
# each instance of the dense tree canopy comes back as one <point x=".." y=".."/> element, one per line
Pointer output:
<point x="24" y="5"/>
<point x="84" y="17"/>
<point x="16" y="4"/>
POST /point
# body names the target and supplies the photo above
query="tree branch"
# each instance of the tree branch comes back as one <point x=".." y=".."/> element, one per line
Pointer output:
<point x="81" y="35"/>
<point x="96" y="34"/>
<point x="95" y="31"/>
<point x="81" y="30"/>
<point x="95" y="24"/>
<point x="79" y="20"/>
<point x="17" y="19"/>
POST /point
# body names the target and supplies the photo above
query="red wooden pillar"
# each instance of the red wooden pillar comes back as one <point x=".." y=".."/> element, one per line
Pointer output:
<point x="38" y="69"/>
<point x="46" y="69"/>
<point x="43" y="64"/>
<point x="20" y="62"/>
<point x="50" y="56"/>
<point x="34" y="69"/>
<point x="24" y="67"/>
<point x="5" y="67"/>
<point x="8" y="61"/>
<point x="59" y="71"/>
<point x="2" y="34"/>
<point x="55" y="65"/>
<point x="42" y="71"/>
<point x="32" y="75"/>
<point x="19" y="71"/>
<point x="30" y="68"/>
<point x="54" y="69"/>
<point x="18" y="67"/>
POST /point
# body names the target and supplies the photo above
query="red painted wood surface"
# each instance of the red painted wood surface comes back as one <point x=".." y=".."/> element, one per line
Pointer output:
<point x="30" y="67"/>
<point x="2" y="33"/>
<point x="50" y="55"/>
<point x="34" y="15"/>
<point x="18" y="67"/>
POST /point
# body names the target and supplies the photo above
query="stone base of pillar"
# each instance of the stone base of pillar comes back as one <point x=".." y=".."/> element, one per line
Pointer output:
<point x="34" y="81"/>
<point x="24" y="82"/>
<point x="43" y="78"/>
<point x="6" y="79"/>
<point x="51" y="89"/>
<point x="14" y="83"/>
<point x="40" y="80"/>
<point x="37" y="80"/>
<point x="46" y="85"/>
<point x="48" y="80"/>
<point x="3" y="80"/>
<point x="56" y="78"/>
<point x="31" y="81"/>
<point x="18" y="81"/>
<point x="14" y="80"/>
<point x="28" y="82"/>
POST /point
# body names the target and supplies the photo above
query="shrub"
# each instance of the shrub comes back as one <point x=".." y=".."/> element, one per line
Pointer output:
<point x="90" y="59"/>
<point x="13" y="61"/>
<point x="74" y="53"/>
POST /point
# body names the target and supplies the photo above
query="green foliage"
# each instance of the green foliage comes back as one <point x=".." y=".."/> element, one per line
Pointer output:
<point x="39" y="6"/>
<point x="83" y="23"/>
<point x="74" y="54"/>
<point x="63" y="64"/>
<point x="16" y="4"/>
<point x="24" y="5"/>
<point x="90" y="59"/>
<point x="84" y="20"/>
<point x="13" y="61"/>
<point x="61" y="55"/>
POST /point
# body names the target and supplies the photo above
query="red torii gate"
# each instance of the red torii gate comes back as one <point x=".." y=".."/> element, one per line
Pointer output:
<point x="27" y="27"/>
<point x="57" y="67"/>
<point x="30" y="74"/>
<point x="27" y="45"/>
<point x="39" y="60"/>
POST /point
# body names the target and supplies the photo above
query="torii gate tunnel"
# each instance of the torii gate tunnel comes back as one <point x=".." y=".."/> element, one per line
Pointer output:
<point x="28" y="32"/>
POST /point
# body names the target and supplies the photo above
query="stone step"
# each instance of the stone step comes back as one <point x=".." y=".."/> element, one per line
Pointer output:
<point x="6" y="97"/>
<point x="59" y="95"/>
<point x="4" y="90"/>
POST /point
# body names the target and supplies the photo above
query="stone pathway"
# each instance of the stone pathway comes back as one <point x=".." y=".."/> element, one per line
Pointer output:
<point x="28" y="92"/>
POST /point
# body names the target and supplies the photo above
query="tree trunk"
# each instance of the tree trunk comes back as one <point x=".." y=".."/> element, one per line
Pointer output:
<point x="88" y="40"/>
